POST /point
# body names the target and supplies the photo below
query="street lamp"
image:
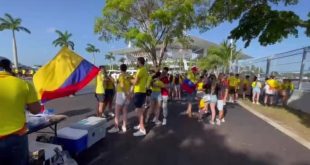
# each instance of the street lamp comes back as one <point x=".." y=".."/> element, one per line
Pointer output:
<point x="230" y="61"/>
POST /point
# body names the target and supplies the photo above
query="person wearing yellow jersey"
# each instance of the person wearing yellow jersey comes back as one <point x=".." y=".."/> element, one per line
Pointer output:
<point x="99" y="93"/>
<point x="122" y="99"/>
<point x="192" y="75"/>
<point x="245" y="86"/>
<point x="232" y="87"/>
<point x="271" y="89"/>
<point x="109" y="93"/>
<point x="287" y="89"/>
<point x="155" y="86"/>
<point x="237" y="86"/>
<point x="16" y="95"/>
<point x="23" y="72"/>
<point x="139" y="83"/>
<point x="256" y="90"/>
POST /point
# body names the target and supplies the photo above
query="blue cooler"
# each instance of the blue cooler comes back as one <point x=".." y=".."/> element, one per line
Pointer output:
<point x="72" y="140"/>
<point x="95" y="126"/>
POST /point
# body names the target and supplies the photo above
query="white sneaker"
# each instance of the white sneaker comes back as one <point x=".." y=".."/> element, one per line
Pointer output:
<point x="257" y="103"/>
<point x="164" y="121"/>
<point x="223" y="120"/>
<point x="111" y="114"/>
<point x="212" y="122"/>
<point x="154" y="120"/>
<point x="218" y="122"/>
<point x="113" y="130"/>
<point x="124" y="129"/>
<point x="253" y="102"/>
<point x="140" y="133"/>
<point x="157" y="122"/>
<point x="137" y="127"/>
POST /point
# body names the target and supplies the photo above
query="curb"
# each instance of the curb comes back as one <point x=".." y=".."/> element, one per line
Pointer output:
<point x="284" y="130"/>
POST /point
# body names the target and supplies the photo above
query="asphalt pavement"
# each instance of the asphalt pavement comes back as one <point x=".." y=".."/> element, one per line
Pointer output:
<point x="243" y="139"/>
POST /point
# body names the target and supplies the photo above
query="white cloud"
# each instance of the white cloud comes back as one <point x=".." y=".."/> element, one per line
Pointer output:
<point x="50" y="30"/>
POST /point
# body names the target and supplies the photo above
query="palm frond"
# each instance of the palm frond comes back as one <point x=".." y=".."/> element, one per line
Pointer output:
<point x="9" y="17"/>
<point x="24" y="29"/>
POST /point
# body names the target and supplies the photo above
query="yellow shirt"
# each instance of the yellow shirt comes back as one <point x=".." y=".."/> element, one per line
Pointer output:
<point x="200" y="86"/>
<point x="231" y="81"/>
<point x="273" y="83"/>
<point x="246" y="82"/>
<point x="202" y="104"/>
<point x="157" y="85"/>
<point x="191" y="76"/>
<point x="110" y="83"/>
<point x="142" y="75"/>
<point x="258" y="84"/>
<point x="14" y="96"/>
<point x="148" y="82"/>
<point x="124" y="79"/>
<point x="99" y="84"/>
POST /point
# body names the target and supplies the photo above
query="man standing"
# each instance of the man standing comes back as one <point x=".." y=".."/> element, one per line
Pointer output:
<point x="16" y="95"/>
<point x="192" y="76"/>
<point x="100" y="85"/>
<point x="165" y="93"/>
<point x="140" y="83"/>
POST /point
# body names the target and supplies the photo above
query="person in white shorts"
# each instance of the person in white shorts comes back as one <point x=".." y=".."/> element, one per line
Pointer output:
<point x="122" y="99"/>
<point x="222" y="94"/>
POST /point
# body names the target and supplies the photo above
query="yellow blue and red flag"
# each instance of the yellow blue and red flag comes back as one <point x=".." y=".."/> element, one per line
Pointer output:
<point x="64" y="75"/>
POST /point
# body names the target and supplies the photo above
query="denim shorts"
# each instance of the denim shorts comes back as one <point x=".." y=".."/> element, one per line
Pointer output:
<point x="156" y="96"/>
<point x="256" y="90"/>
<point x="139" y="99"/>
<point x="190" y="97"/>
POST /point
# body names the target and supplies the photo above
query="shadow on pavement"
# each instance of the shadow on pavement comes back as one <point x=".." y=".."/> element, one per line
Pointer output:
<point x="183" y="141"/>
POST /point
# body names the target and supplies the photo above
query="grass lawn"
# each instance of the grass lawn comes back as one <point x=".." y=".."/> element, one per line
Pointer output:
<point x="294" y="120"/>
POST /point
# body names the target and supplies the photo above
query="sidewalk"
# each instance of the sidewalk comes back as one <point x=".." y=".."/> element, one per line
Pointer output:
<point x="294" y="123"/>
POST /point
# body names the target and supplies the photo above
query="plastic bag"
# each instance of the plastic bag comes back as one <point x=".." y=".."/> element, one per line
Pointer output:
<point x="63" y="158"/>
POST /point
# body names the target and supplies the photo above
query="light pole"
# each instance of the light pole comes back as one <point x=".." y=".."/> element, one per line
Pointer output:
<point x="230" y="61"/>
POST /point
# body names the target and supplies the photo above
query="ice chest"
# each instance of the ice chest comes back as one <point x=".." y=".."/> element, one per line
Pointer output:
<point x="95" y="126"/>
<point x="72" y="140"/>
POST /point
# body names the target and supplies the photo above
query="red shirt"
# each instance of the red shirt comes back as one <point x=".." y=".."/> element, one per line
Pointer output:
<point x="165" y="91"/>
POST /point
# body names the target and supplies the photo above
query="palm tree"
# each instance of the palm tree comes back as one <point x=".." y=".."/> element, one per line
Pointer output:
<point x="63" y="40"/>
<point x="109" y="56"/>
<point x="13" y="24"/>
<point x="92" y="49"/>
<point x="227" y="53"/>
<point x="122" y="60"/>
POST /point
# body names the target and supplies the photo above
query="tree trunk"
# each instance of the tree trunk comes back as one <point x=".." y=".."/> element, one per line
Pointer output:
<point x="15" y="50"/>
<point x="154" y="57"/>
<point x="162" y="53"/>
<point x="94" y="59"/>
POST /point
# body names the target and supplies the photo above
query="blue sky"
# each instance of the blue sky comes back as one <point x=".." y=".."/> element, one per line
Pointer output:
<point x="42" y="17"/>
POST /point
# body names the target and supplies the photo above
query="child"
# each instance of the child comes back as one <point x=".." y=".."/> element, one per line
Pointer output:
<point x="203" y="107"/>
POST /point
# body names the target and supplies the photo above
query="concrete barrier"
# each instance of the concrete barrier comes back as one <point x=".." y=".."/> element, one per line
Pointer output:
<point x="300" y="100"/>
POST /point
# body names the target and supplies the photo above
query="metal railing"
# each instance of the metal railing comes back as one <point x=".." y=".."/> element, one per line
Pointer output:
<point x="294" y="65"/>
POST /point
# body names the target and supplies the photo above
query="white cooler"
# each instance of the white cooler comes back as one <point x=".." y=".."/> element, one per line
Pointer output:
<point x="95" y="126"/>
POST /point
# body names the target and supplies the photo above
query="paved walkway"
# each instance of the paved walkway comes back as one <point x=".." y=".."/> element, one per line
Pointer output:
<point x="243" y="139"/>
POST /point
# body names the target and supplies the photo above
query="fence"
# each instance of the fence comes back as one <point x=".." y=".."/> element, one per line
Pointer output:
<point x="294" y="65"/>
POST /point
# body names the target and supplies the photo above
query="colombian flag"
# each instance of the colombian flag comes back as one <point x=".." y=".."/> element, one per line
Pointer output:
<point x="188" y="86"/>
<point x="64" y="75"/>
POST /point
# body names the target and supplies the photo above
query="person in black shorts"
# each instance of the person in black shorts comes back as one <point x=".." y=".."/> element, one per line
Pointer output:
<point x="140" y="83"/>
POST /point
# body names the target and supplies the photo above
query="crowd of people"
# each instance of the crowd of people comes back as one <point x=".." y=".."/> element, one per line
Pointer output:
<point x="150" y="90"/>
